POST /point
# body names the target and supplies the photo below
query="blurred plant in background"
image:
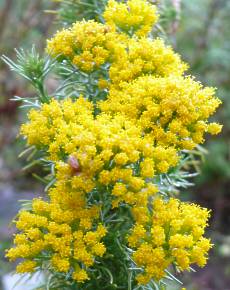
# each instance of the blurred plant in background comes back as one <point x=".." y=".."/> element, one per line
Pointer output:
<point x="22" y="23"/>
<point x="70" y="11"/>
<point x="202" y="41"/>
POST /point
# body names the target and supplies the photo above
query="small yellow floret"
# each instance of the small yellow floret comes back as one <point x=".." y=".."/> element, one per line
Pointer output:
<point x="80" y="276"/>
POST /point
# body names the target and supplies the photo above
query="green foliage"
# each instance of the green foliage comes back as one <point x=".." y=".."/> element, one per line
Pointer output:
<point x="70" y="11"/>
<point x="34" y="68"/>
<point x="73" y="82"/>
<point x="203" y="41"/>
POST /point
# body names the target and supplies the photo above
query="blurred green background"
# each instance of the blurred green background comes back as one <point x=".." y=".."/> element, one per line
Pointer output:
<point x="200" y="32"/>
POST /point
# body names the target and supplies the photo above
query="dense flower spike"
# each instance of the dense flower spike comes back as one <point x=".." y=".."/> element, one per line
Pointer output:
<point x="175" y="236"/>
<point x="107" y="152"/>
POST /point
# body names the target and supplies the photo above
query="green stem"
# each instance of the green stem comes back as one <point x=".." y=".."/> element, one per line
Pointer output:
<point x="43" y="94"/>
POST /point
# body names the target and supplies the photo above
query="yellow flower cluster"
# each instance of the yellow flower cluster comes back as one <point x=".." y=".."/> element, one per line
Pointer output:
<point x="105" y="149"/>
<point x="98" y="151"/>
<point x="115" y="147"/>
<point x="84" y="44"/>
<point x="135" y="16"/>
<point x="144" y="57"/>
<point x="172" y="109"/>
<point x="62" y="235"/>
<point x="175" y="236"/>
